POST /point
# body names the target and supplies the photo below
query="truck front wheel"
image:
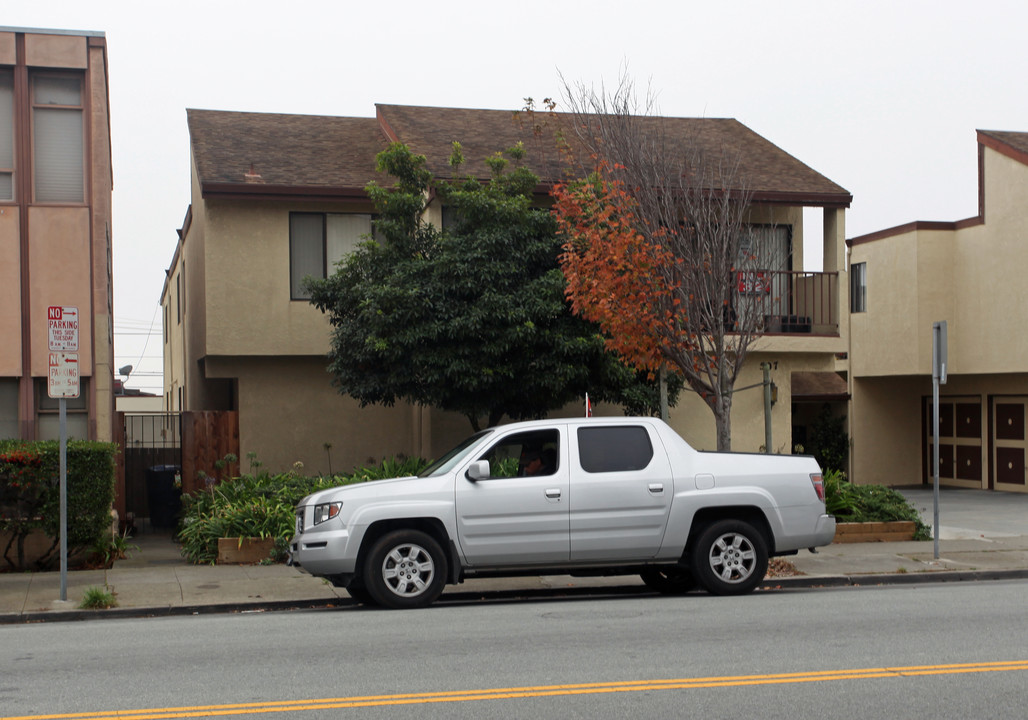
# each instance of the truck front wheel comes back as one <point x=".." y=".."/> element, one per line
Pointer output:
<point x="405" y="569"/>
<point x="730" y="557"/>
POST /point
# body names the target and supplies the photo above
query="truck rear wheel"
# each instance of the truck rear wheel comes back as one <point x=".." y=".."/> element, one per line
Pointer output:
<point x="405" y="569"/>
<point x="730" y="557"/>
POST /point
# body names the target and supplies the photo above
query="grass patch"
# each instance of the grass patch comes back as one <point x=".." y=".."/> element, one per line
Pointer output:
<point x="97" y="598"/>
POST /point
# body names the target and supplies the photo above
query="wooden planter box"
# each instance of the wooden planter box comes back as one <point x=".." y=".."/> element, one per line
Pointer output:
<point x="875" y="532"/>
<point x="244" y="551"/>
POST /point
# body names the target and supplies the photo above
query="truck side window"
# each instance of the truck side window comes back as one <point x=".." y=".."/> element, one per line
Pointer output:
<point x="614" y="449"/>
<point x="524" y="454"/>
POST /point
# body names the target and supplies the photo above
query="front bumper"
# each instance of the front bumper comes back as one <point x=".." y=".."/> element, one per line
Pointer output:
<point x="322" y="553"/>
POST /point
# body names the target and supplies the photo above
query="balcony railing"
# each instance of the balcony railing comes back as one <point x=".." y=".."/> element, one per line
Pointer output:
<point x="789" y="302"/>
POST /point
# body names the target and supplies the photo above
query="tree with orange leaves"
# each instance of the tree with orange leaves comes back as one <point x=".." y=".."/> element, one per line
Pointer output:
<point x="655" y="243"/>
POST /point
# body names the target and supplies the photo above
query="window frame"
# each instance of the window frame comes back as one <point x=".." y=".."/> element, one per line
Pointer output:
<point x="80" y="108"/>
<point x="11" y="171"/>
<point x="295" y="291"/>
<point x="589" y="464"/>
<point x="858" y="287"/>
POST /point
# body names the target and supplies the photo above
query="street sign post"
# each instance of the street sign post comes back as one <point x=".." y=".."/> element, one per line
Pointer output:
<point x="62" y="329"/>
<point x="939" y="361"/>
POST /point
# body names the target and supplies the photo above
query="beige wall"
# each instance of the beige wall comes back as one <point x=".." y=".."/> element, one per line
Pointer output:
<point x="55" y="51"/>
<point x="288" y="410"/>
<point x="60" y="259"/>
<point x="10" y="293"/>
<point x="973" y="278"/>
<point x="247" y="279"/>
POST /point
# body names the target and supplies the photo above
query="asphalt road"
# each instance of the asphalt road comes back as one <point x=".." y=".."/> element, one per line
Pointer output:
<point x="932" y="651"/>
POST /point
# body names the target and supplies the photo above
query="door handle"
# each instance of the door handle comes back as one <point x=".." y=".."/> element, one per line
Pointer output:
<point x="553" y="493"/>
<point x="656" y="488"/>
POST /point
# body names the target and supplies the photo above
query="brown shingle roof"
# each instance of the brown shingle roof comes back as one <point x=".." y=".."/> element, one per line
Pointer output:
<point x="284" y="150"/>
<point x="329" y="153"/>
<point x="771" y="172"/>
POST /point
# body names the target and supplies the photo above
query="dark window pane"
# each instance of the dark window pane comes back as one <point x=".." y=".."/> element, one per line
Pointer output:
<point x="614" y="449"/>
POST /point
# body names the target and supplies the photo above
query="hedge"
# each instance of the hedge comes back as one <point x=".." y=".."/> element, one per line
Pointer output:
<point x="30" y="496"/>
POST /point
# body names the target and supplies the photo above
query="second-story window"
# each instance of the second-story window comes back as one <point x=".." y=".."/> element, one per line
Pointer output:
<point x="6" y="135"/>
<point x="317" y="241"/>
<point x="57" y="139"/>
<point x="858" y="287"/>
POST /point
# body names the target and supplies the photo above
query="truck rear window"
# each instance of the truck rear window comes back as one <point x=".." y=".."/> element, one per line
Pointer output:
<point x="614" y="449"/>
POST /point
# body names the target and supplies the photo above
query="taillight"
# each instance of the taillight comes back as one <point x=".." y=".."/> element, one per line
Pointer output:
<point x="819" y="485"/>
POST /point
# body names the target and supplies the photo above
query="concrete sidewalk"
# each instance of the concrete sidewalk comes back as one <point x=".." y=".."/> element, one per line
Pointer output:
<point x="984" y="535"/>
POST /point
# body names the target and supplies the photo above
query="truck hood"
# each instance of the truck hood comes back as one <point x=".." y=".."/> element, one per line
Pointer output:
<point x="372" y="488"/>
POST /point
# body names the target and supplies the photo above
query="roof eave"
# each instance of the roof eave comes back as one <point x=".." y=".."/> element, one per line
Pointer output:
<point x="261" y="191"/>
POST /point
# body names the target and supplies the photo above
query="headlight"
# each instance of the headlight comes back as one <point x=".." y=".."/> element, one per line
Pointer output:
<point x="326" y="511"/>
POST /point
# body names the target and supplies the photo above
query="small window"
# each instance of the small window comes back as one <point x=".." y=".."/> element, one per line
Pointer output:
<point x="48" y="419"/>
<point x="6" y="135"/>
<point x="9" y="427"/>
<point x="57" y="139"/>
<point x="858" y="287"/>
<point x="525" y="454"/>
<point x="318" y="241"/>
<point x="614" y="449"/>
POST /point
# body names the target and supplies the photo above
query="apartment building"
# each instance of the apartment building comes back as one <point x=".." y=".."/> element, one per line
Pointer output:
<point x="971" y="274"/>
<point x="55" y="227"/>
<point x="276" y="197"/>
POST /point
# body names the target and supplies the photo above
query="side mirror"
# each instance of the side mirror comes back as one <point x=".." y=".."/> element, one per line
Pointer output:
<point x="478" y="470"/>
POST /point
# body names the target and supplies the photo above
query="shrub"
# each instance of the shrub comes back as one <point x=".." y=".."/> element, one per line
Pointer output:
<point x="828" y="442"/>
<point x="262" y="505"/>
<point x="30" y="495"/>
<point x="97" y="598"/>
<point x="869" y="503"/>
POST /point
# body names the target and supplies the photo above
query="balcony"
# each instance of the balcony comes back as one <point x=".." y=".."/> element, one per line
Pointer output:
<point x="789" y="302"/>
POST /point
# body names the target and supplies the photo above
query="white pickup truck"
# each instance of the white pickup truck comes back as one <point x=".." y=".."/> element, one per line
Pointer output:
<point x="584" y="496"/>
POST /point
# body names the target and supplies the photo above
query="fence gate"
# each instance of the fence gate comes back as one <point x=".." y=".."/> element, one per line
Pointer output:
<point x="152" y="455"/>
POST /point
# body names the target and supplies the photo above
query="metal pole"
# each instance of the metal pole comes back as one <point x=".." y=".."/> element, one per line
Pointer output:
<point x="935" y="459"/>
<point x="766" y="367"/>
<point x="663" y="393"/>
<point x="64" y="497"/>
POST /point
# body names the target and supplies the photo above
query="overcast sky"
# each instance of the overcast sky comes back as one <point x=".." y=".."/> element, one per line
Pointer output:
<point x="882" y="97"/>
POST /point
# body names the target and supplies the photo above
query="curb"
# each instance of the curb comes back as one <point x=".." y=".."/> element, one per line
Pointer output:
<point x="798" y="582"/>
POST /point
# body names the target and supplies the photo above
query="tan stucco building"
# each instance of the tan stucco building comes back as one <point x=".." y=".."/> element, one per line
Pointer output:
<point x="55" y="227"/>
<point x="971" y="274"/>
<point x="277" y="197"/>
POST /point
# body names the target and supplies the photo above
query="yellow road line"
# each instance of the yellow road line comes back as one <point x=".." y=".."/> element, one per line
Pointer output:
<point x="282" y="706"/>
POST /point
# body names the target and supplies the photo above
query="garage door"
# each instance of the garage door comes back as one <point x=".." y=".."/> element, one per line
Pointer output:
<point x="1009" y="443"/>
<point x="960" y="442"/>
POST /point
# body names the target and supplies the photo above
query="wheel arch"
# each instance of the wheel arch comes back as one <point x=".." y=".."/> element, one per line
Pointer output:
<point x="431" y="526"/>
<point x="747" y="513"/>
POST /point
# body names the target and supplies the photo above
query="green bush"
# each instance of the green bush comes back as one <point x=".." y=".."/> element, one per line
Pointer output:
<point x="263" y="506"/>
<point x="869" y="503"/>
<point x="828" y="442"/>
<point x="30" y="495"/>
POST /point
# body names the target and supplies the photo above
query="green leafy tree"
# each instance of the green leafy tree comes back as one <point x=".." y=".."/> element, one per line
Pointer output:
<point x="471" y="319"/>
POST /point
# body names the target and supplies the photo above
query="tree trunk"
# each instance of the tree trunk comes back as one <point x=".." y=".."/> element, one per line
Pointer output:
<point x="723" y="422"/>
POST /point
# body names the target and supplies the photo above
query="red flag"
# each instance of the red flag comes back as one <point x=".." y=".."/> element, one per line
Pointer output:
<point x="588" y="406"/>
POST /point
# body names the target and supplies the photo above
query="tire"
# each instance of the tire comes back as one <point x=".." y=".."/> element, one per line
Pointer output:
<point x="359" y="593"/>
<point x="669" y="581"/>
<point x="729" y="557"/>
<point x="405" y="569"/>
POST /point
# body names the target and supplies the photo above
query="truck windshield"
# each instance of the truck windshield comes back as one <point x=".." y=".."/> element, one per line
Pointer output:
<point x="453" y="458"/>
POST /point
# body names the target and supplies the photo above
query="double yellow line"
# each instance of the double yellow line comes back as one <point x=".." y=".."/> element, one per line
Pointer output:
<point x="534" y="692"/>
